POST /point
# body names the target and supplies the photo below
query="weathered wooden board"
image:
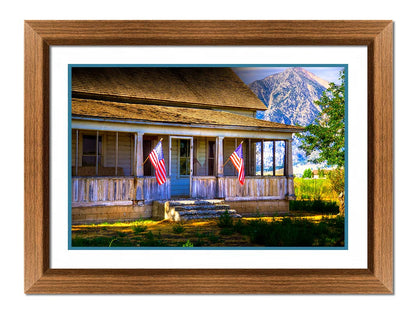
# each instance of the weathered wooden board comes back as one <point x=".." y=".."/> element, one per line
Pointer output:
<point x="91" y="189"/>
<point x="254" y="187"/>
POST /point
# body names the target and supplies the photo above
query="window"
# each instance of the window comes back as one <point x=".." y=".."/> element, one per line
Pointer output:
<point x="89" y="150"/>
<point x="211" y="157"/>
<point x="184" y="157"/>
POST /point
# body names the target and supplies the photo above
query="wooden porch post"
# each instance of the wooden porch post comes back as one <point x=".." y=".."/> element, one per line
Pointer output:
<point x="249" y="158"/>
<point x="288" y="158"/>
<point x="274" y="158"/>
<point x="220" y="157"/>
<point x="116" y="147"/>
<point x="262" y="157"/>
<point x="138" y="140"/>
<point x="96" y="154"/>
<point x="289" y="172"/>
<point x="76" y="152"/>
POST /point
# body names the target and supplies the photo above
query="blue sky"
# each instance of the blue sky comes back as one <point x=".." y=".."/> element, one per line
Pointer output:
<point x="250" y="74"/>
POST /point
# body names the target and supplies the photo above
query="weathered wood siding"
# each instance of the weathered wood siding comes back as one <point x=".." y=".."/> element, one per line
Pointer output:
<point x="253" y="188"/>
<point x="102" y="190"/>
<point x="204" y="187"/>
<point x="148" y="189"/>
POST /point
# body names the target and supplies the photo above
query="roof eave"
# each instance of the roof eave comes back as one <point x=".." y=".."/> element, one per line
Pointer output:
<point x="190" y="125"/>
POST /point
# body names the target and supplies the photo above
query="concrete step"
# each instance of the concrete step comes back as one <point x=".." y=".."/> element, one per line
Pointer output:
<point x="206" y="212"/>
<point x="187" y="209"/>
<point x="202" y="207"/>
<point x="208" y="216"/>
<point x="174" y="203"/>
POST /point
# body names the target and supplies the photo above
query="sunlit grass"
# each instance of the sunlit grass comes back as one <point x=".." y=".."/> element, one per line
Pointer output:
<point x="200" y="233"/>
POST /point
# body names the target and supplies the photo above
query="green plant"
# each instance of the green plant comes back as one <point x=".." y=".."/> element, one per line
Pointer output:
<point x="178" y="229"/>
<point x="326" y="135"/>
<point x="114" y="239"/>
<point x="225" y="220"/>
<point x="319" y="206"/>
<point x="307" y="173"/>
<point x="227" y="231"/>
<point x="213" y="238"/>
<point x="188" y="244"/>
<point x="138" y="228"/>
<point x="152" y="241"/>
<point x="336" y="177"/>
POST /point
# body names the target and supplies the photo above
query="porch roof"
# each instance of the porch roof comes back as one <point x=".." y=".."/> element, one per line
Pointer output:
<point x="87" y="108"/>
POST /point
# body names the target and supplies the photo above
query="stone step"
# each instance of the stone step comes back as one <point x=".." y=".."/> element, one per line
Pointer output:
<point x="206" y="212"/>
<point x="208" y="216"/>
<point x="202" y="207"/>
<point x="174" y="203"/>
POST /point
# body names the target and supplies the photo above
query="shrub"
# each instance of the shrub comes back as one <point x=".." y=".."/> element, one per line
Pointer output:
<point x="152" y="241"/>
<point x="213" y="238"/>
<point x="296" y="233"/>
<point x="178" y="229"/>
<point x="188" y="244"/>
<point x="314" y="206"/>
<point x="225" y="220"/>
<point x="227" y="231"/>
<point x="307" y="173"/>
<point x="138" y="228"/>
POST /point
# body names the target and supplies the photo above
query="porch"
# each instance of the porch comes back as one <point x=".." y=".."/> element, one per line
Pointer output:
<point x="111" y="181"/>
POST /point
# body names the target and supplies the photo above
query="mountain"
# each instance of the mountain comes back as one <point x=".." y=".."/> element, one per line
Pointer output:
<point x="289" y="97"/>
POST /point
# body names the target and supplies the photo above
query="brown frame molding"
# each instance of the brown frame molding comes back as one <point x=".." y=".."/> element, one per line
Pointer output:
<point x="376" y="35"/>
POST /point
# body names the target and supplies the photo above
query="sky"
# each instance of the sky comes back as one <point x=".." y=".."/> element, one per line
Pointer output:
<point x="250" y="74"/>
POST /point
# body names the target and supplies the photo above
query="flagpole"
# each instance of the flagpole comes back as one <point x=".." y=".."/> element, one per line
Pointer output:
<point x="149" y="154"/>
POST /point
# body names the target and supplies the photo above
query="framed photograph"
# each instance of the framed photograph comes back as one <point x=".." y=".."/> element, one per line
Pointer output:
<point x="208" y="157"/>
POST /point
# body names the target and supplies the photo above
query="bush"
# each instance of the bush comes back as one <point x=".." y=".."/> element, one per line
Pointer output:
<point x="138" y="228"/>
<point x="296" y="233"/>
<point x="314" y="206"/>
<point x="178" y="229"/>
<point x="307" y="173"/>
<point x="225" y="220"/>
<point x="152" y="241"/>
<point x="188" y="244"/>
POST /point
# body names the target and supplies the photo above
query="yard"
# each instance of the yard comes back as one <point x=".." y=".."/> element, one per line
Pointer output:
<point x="297" y="230"/>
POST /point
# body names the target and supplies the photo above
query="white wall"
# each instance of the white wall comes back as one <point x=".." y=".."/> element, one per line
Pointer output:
<point x="11" y="82"/>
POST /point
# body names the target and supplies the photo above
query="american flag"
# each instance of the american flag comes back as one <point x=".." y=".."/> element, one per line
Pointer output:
<point x="156" y="157"/>
<point x="238" y="162"/>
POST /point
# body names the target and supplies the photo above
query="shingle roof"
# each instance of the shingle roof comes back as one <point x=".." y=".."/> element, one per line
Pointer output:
<point x="88" y="108"/>
<point x="190" y="87"/>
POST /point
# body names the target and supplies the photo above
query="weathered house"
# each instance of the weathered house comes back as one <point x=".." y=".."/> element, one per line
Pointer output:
<point x="202" y="114"/>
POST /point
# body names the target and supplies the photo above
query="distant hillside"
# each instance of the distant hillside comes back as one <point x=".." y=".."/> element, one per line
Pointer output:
<point x="289" y="97"/>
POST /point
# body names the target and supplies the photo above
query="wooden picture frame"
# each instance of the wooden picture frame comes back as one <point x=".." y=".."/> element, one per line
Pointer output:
<point x="376" y="278"/>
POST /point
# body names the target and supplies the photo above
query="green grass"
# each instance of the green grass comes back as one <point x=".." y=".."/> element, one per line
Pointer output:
<point x="314" y="189"/>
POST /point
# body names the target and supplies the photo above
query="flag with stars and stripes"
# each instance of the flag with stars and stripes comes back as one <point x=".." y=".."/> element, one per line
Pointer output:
<point x="238" y="162"/>
<point x="158" y="161"/>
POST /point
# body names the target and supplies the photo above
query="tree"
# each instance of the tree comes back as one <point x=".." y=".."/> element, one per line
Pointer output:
<point x="325" y="137"/>
<point x="307" y="173"/>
